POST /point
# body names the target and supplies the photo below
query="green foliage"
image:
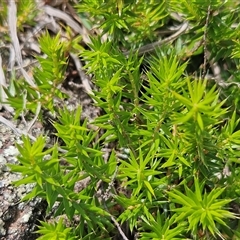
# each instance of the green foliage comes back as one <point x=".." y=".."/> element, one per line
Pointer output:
<point x="52" y="70"/>
<point x="48" y="77"/>
<point x="56" y="183"/>
<point x="3" y="14"/>
<point x="176" y="136"/>
<point x="161" y="228"/>
<point x="127" y="22"/>
<point x="201" y="210"/>
<point x="57" y="231"/>
<point x="27" y="11"/>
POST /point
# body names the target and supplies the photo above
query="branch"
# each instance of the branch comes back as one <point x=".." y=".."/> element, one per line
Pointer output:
<point x="152" y="46"/>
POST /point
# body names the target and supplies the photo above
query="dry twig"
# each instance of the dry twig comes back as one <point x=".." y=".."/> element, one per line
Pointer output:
<point x="81" y="73"/>
<point x="152" y="46"/>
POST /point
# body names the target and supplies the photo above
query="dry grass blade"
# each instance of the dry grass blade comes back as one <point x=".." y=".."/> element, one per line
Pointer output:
<point x="69" y="21"/>
<point x="3" y="95"/>
<point x="12" y="22"/>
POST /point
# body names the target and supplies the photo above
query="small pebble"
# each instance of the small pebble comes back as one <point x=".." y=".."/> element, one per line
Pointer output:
<point x="25" y="217"/>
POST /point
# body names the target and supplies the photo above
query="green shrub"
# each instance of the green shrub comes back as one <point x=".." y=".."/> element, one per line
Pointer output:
<point x="173" y="172"/>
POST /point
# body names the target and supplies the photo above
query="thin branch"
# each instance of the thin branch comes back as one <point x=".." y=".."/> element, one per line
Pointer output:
<point x="119" y="228"/>
<point x="152" y="46"/>
<point x="205" y="43"/>
<point x="105" y="197"/>
<point x="81" y="73"/>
